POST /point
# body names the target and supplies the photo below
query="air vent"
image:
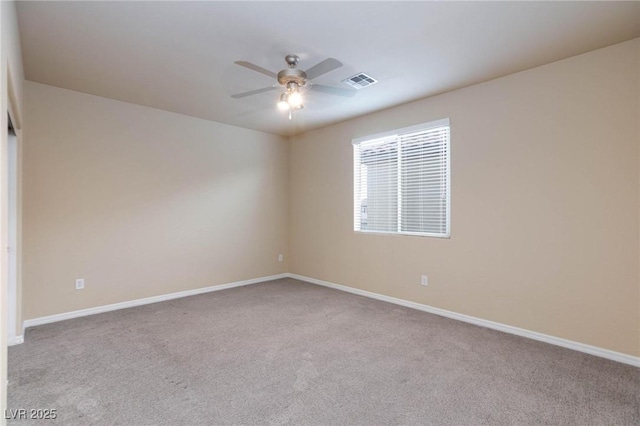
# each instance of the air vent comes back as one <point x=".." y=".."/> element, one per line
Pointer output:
<point x="360" y="81"/>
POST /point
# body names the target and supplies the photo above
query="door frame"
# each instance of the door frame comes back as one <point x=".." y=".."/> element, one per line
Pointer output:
<point x="13" y="223"/>
<point x="12" y="237"/>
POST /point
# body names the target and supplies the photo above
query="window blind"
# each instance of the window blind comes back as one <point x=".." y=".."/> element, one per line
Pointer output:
<point x="401" y="181"/>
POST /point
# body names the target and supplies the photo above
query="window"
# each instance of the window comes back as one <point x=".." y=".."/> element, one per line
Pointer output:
<point x="402" y="180"/>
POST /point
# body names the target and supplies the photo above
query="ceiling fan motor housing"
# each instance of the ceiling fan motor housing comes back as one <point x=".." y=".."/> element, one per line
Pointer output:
<point x="292" y="76"/>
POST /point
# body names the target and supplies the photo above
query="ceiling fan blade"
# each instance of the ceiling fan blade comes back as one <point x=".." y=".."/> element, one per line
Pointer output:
<point x="253" y="92"/>
<point x="323" y="67"/>
<point x="256" y="68"/>
<point x="333" y="90"/>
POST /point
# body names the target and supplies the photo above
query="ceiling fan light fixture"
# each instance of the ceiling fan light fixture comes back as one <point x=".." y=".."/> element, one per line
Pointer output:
<point x="295" y="99"/>
<point x="283" y="103"/>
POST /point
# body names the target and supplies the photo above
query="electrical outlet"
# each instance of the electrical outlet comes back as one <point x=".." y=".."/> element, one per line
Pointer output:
<point x="280" y="258"/>
<point x="425" y="280"/>
<point x="79" y="283"/>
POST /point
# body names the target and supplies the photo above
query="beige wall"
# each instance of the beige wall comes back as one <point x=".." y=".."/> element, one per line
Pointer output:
<point x="142" y="202"/>
<point x="544" y="232"/>
<point x="11" y="98"/>
<point x="545" y="220"/>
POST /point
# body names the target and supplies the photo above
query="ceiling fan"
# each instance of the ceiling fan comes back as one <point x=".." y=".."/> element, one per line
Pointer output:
<point x="295" y="82"/>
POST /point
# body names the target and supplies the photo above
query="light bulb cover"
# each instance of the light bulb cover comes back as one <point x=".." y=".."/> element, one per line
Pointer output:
<point x="283" y="103"/>
<point x="295" y="99"/>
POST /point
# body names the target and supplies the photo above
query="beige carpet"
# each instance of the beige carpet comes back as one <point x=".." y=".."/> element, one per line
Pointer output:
<point x="286" y="352"/>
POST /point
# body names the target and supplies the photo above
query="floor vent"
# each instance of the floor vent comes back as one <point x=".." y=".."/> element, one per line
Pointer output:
<point x="360" y="81"/>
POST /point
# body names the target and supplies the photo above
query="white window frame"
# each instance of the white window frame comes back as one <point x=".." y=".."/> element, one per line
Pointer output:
<point x="397" y="132"/>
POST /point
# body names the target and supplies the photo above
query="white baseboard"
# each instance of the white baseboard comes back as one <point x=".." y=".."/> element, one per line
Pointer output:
<point x="147" y="300"/>
<point x="16" y="340"/>
<point x="576" y="346"/>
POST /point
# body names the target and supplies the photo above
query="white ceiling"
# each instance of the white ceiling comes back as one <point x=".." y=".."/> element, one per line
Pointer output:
<point x="179" y="56"/>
